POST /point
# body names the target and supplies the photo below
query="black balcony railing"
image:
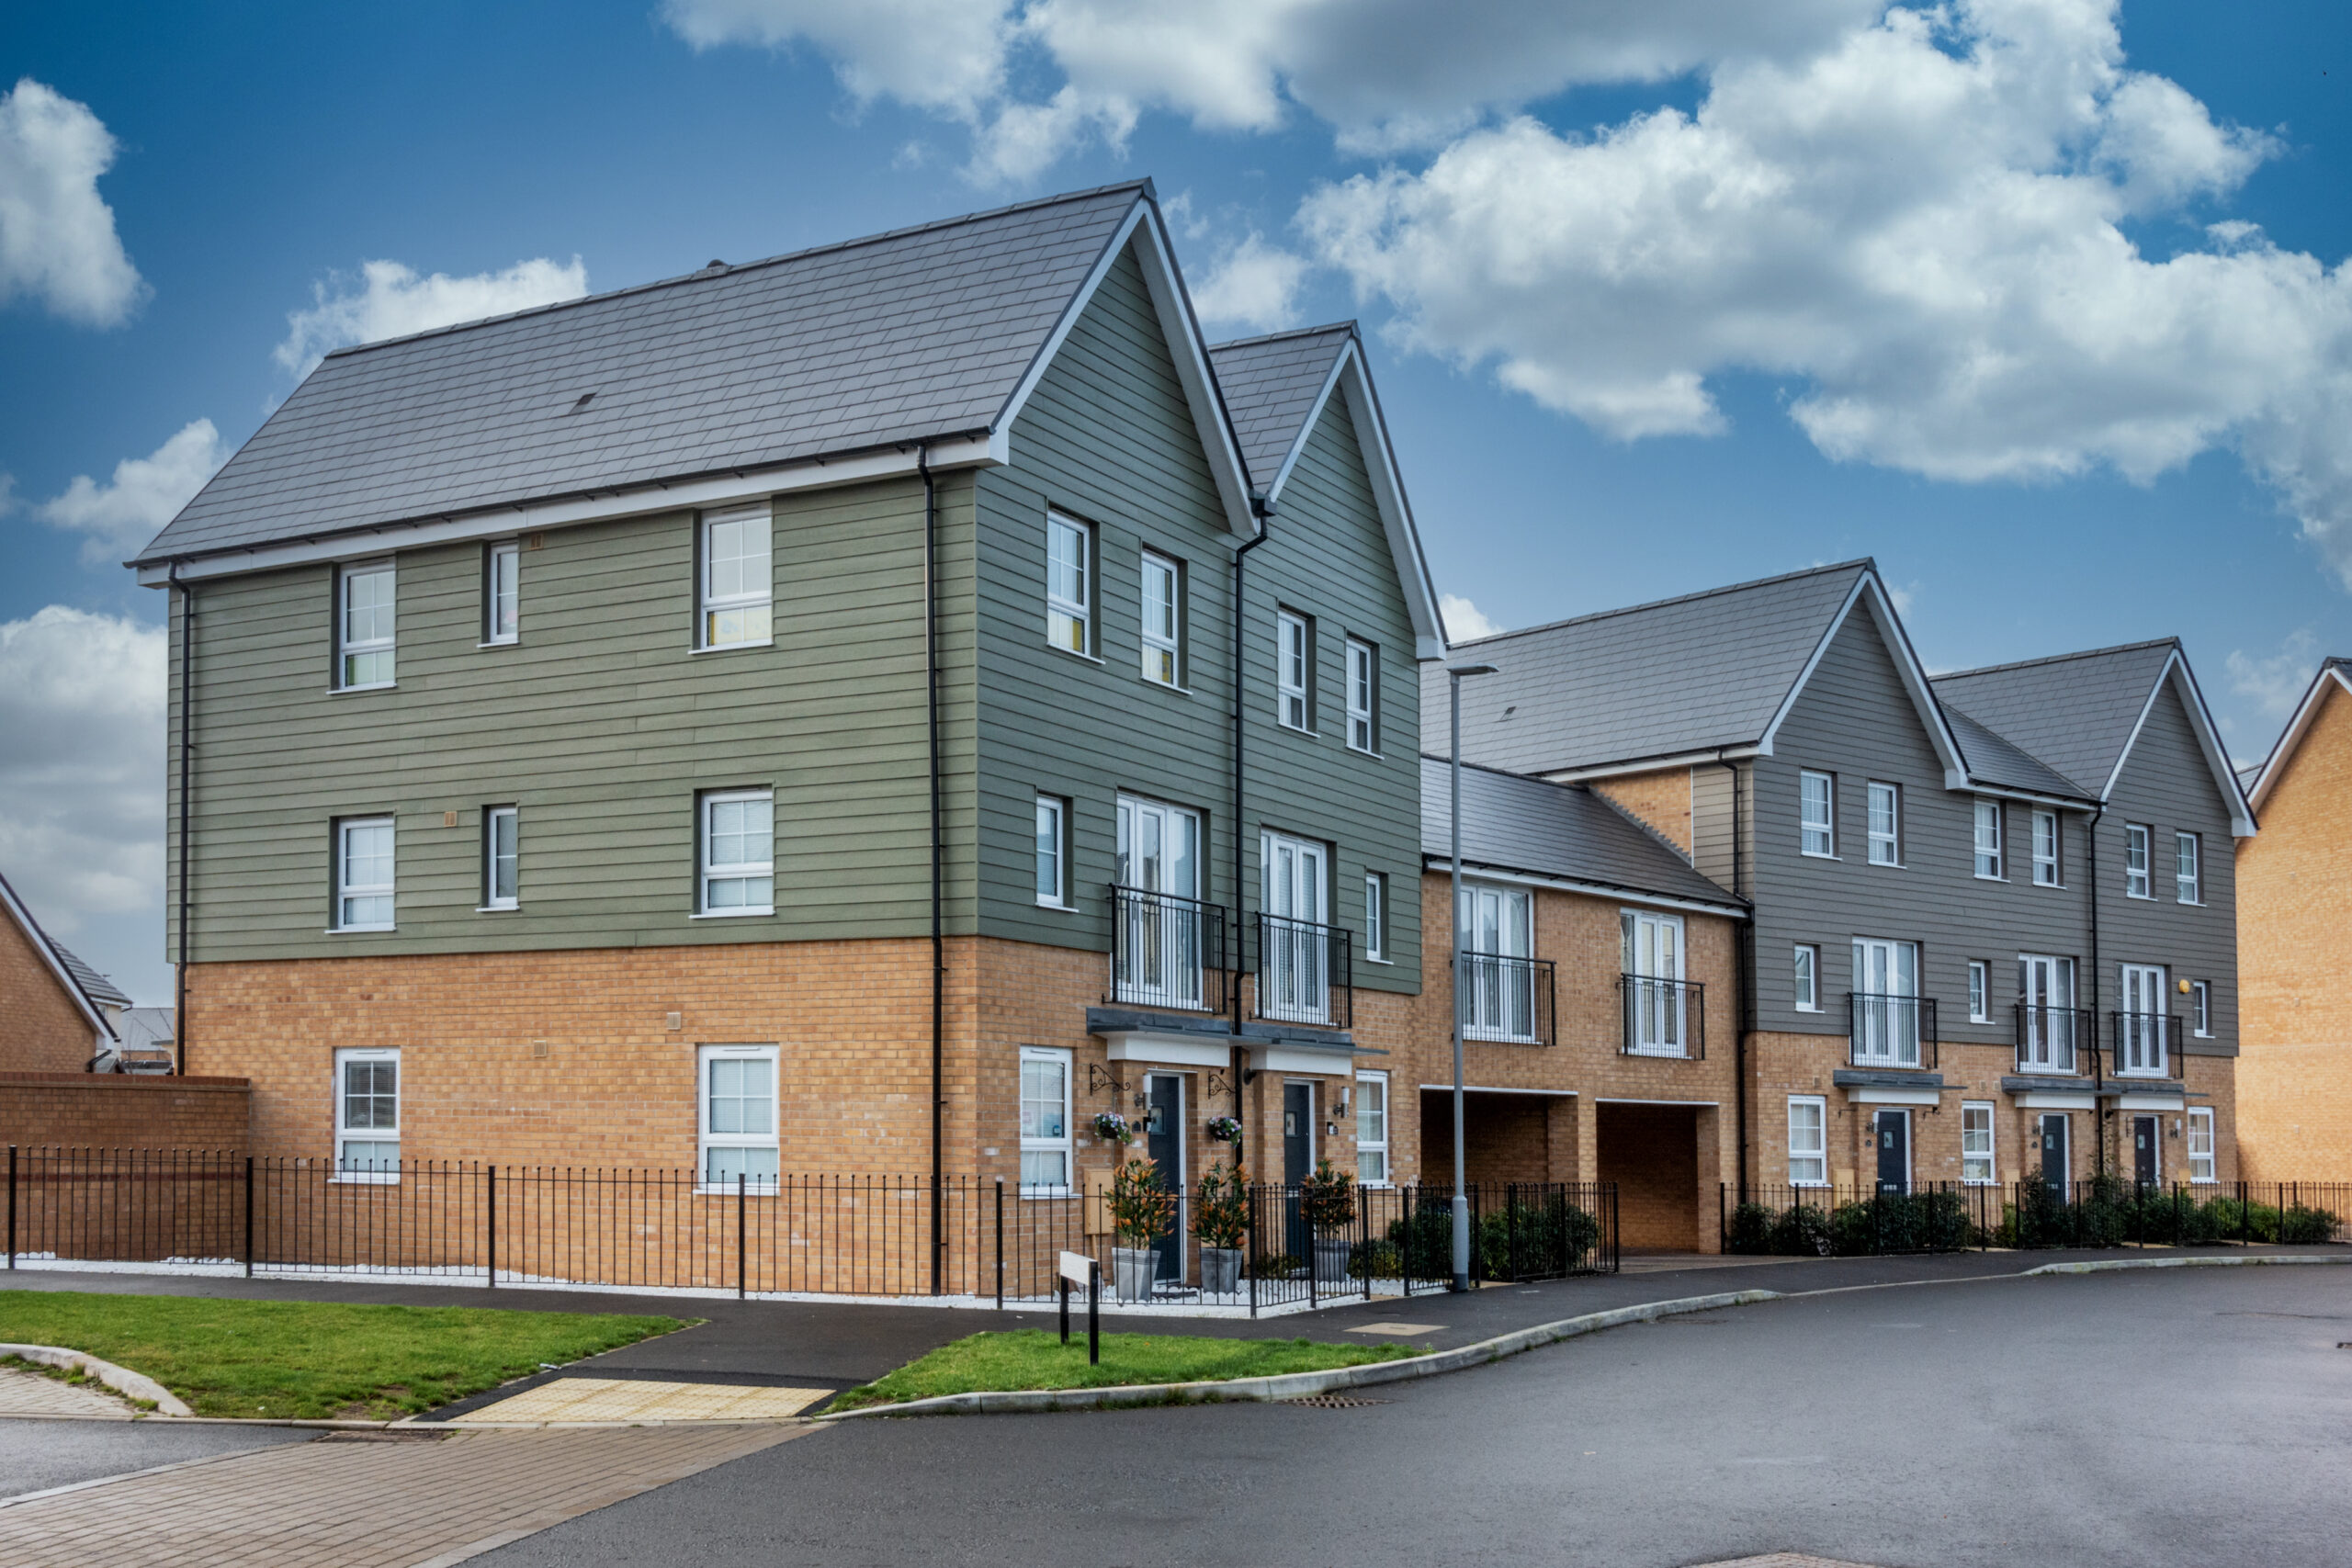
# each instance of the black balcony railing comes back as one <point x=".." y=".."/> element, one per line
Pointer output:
<point x="1306" y="973"/>
<point x="1663" y="1018"/>
<point x="1506" y="1002"/>
<point x="1890" y="1032"/>
<point x="1167" y="951"/>
<point x="2056" y="1040"/>
<point x="2140" y="1043"/>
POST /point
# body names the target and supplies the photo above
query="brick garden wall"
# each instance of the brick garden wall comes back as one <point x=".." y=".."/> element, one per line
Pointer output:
<point x="110" y="1111"/>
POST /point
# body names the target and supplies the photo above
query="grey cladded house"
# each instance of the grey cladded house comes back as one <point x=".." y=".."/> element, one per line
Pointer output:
<point x="1994" y="920"/>
<point x="789" y="718"/>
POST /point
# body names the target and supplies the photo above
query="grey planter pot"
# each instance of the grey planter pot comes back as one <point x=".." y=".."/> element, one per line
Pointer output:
<point x="1221" y="1270"/>
<point x="1132" y="1269"/>
<point x="1331" y="1262"/>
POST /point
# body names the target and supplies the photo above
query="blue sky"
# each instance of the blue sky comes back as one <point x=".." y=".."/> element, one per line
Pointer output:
<point x="2139" y="483"/>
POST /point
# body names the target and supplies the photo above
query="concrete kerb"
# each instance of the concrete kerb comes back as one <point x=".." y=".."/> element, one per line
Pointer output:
<point x="1302" y="1385"/>
<point x="122" y="1380"/>
<point x="2103" y="1265"/>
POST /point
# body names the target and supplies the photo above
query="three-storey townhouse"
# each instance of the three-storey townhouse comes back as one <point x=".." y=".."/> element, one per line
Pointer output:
<point x="790" y="719"/>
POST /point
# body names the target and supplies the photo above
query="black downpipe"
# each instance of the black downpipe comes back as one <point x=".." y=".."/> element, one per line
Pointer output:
<point x="938" y="855"/>
<point x="1265" y="511"/>
<point x="187" y="720"/>
<point x="1743" y="973"/>
<point x="2098" y="1072"/>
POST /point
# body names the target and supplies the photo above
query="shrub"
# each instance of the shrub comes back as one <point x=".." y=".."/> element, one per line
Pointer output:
<point x="1749" y="1229"/>
<point x="1328" y="1198"/>
<point x="2302" y="1226"/>
<point x="1550" y="1235"/>
<point x="1140" y="1207"/>
<point x="1801" y="1231"/>
<point x="1375" y="1260"/>
<point x="1223" y="1215"/>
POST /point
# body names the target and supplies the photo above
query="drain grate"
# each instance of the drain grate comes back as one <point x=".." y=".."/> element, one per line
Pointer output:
<point x="1334" y="1402"/>
<point x="383" y="1435"/>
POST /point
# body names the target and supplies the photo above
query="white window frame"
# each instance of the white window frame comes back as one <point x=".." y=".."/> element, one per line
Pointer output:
<point x="491" y="816"/>
<point x="708" y="872"/>
<point x="2204" y="1170"/>
<point x="2049" y="849"/>
<point x="1498" y="1001"/>
<point x="1817" y="1155"/>
<point x="1294" y="671"/>
<point x="1980" y="992"/>
<point x="1374" y="1083"/>
<point x="501" y="590"/>
<point x="2187" y="885"/>
<point x="1040" y="1143"/>
<point x="2201" y="1003"/>
<point x="1653" y="950"/>
<point x="1990" y="1175"/>
<point x="1074" y="611"/>
<point x="1363" y="697"/>
<point x="1163" y="620"/>
<point x="1053" y="829"/>
<point x="1885" y="843"/>
<point x="1805" y="978"/>
<point x="1817" y="836"/>
<point x="1991" y="861"/>
<point x="1295" y="884"/>
<point x="2147" y="1037"/>
<point x="706" y="1140"/>
<point x="345" y="890"/>
<point x="1897" y="1019"/>
<point x="2138" y="861"/>
<point x="1376" y="917"/>
<point x="344" y="1132"/>
<point x="380" y="642"/>
<point x="755" y="605"/>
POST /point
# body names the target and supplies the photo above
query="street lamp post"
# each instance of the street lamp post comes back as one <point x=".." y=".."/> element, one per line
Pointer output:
<point x="1454" y="677"/>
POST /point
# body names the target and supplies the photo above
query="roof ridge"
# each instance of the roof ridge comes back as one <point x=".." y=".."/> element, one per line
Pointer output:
<point x="1142" y="186"/>
<point x="1865" y="562"/>
<point x="1348" y="326"/>
<point x="2056" y="659"/>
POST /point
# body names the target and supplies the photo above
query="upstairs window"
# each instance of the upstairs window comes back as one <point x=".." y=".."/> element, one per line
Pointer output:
<point x="1816" y="813"/>
<point x="2137" y="882"/>
<point x="1069" y="585"/>
<point x="2045" y="849"/>
<point x="1980" y="989"/>
<point x="1375" y="917"/>
<point x="363" y="626"/>
<point x="1053" y="852"/>
<point x="1988" y="839"/>
<point x="1808" y="978"/>
<point x="737" y="577"/>
<point x="2200" y="1002"/>
<point x="502" y="857"/>
<point x="1294" y="670"/>
<point x="2188" y="877"/>
<point x="1886" y="824"/>
<point x="1364" y="695"/>
<point x="1163" y="620"/>
<point x="362" y="873"/>
<point x="502" y="600"/>
<point x="738" y="852"/>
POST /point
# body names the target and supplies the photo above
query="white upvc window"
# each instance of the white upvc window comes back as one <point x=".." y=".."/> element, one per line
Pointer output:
<point x="2188" y="863"/>
<point x="737" y="577"/>
<point x="1976" y="1168"/>
<point x="1294" y="671"/>
<point x="2200" y="1001"/>
<point x="1045" y="1121"/>
<point x="2045" y="849"/>
<point x="1364" y="695"/>
<point x="1053" y="852"/>
<point x="1376" y="917"/>
<point x="1163" y="620"/>
<point x="1656" y="1007"/>
<point x="363" y="626"/>
<point x="1980" y="989"/>
<point x="737" y="855"/>
<point x="1371" y="1129"/>
<point x="502" y="857"/>
<point x="2137" y="881"/>
<point x="1817" y="813"/>
<point x="1886" y="1023"/>
<point x="1495" y="989"/>
<point x="737" y="1111"/>
<point x="2201" y="1147"/>
<point x="501" y="592"/>
<point x="1069" y="585"/>
<point x="1886" y="824"/>
<point x="367" y="1115"/>
<point x="1808" y="977"/>
<point x="1808" y="1141"/>
<point x="362" y="873"/>
<point x="1988" y="840"/>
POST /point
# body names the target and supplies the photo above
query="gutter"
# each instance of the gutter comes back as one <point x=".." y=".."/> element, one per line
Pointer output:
<point x="1264" y="507"/>
<point x="1742" y="974"/>
<point x="938" y="855"/>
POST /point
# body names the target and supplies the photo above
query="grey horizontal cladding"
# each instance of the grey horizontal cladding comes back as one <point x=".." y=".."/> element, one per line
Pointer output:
<point x="1996" y="763"/>
<point x="2073" y="713"/>
<point x="1271" y="384"/>
<point x="1202" y="1026"/>
<point x="922" y="333"/>
<point x="1654" y="681"/>
<point x="1512" y="822"/>
<point x="1871" y="1078"/>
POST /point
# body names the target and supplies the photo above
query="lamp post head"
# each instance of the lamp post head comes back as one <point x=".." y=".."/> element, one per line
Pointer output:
<point x="1461" y="671"/>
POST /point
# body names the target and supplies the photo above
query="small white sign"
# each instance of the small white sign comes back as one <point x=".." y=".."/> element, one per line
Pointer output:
<point x="1077" y="1268"/>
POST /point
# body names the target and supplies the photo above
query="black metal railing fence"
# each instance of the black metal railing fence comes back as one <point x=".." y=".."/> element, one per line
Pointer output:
<point x="1306" y="973"/>
<point x="1662" y="1018"/>
<point x="1167" y="951"/>
<point x="1506" y="1000"/>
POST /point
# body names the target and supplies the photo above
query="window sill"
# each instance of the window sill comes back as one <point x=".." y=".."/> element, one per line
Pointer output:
<point x="1983" y="877"/>
<point x="732" y="914"/>
<point x="1172" y="691"/>
<point x="497" y="909"/>
<point x="732" y="646"/>
<point x="758" y="1187"/>
<point x="2143" y="897"/>
<point x="358" y="930"/>
<point x="2204" y="1181"/>
<point x="2190" y="903"/>
<point x="1811" y="1186"/>
<point x="1816" y="854"/>
<point x="371" y="686"/>
<point x="1809" y="1012"/>
<point x="1363" y="752"/>
<point x="1057" y="906"/>
<point x="1886" y="864"/>
<point x="1073" y="653"/>
<point x="1384" y="962"/>
<point x="365" y="1179"/>
<point x="1029" y="1193"/>
<point x="1296" y="730"/>
<point x="500" y="642"/>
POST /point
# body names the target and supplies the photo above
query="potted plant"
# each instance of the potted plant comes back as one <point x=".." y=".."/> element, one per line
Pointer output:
<point x="1327" y="1201"/>
<point x="1223" y="1221"/>
<point x="1113" y="1129"/>
<point x="1140" y="1209"/>
<point x="1223" y="1130"/>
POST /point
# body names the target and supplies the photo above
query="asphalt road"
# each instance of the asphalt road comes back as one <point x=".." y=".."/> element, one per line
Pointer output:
<point x="2191" y="1417"/>
<point x="38" y="1455"/>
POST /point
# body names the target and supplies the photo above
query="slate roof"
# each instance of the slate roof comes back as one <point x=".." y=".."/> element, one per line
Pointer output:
<point x="1269" y="385"/>
<point x="1993" y="760"/>
<point x="97" y="987"/>
<point x="1510" y="822"/>
<point x="922" y="332"/>
<point x="1681" y="675"/>
<point x="2075" y="711"/>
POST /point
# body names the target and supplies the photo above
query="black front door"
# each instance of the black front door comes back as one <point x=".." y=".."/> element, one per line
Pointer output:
<point x="2143" y="1150"/>
<point x="1164" y="1142"/>
<point x="2053" y="1155"/>
<point x="1894" y="1151"/>
<point x="1299" y="1162"/>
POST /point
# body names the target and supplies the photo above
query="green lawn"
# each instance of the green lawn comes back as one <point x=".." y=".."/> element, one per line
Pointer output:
<point x="1034" y="1357"/>
<point x="312" y="1359"/>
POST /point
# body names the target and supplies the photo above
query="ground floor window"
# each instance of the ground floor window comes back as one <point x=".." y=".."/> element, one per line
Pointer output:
<point x="738" y="1116"/>
<point x="2201" y="1147"/>
<point x="1808" y="1141"/>
<point x="1371" y="1129"/>
<point x="367" y="1115"/>
<point x="1045" y="1121"/>
<point x="1976" y="1142"/>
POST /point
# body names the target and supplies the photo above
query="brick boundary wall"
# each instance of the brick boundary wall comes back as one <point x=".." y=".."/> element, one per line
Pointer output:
<point x="121" y="1111"/>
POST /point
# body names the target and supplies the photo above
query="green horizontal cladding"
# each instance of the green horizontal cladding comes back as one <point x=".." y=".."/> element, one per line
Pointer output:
<point x="1108" y="438"/>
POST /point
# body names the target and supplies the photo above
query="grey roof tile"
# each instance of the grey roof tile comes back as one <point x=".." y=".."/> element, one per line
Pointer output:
<point x="1513" y="823"/>
<point x="94" y="985"/>
<point x="2075" y="712"/>
<point x="1993" y="759"/>
<point x="1269" y="385"/>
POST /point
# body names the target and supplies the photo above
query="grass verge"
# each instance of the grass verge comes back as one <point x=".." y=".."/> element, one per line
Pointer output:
<point x="1032" y="1357"/>
<point x="311" y="1359"/>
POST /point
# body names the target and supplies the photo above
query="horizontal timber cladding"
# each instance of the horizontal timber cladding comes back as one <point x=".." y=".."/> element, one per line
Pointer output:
<point x="600" y="724"/>
<point x="1108" y="439"/>
<point x="1855" y="721"/>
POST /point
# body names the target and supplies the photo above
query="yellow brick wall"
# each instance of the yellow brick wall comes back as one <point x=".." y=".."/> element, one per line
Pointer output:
<point x="40" y="1029"/>
<point x="1662" y="799"/>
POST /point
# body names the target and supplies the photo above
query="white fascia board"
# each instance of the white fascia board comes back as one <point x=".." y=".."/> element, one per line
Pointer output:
<point x="1472" y="869"/>
<point x="2329" y="678"/>
<point x="1870" y="1094"/>
<point x="2004" y="792"/>
<point x="1626" y="1099"/>
<point x="2149" y="1102"/>
<point x="1170" y="1049"/>
<point x="100" y="1029"/>
<point x="1869" y="592"/>
<point x="641" y="501"/>
<point x="2054" y="1099"/>
<point x="1354" y="380"/>
<point x="1654" y="764"/>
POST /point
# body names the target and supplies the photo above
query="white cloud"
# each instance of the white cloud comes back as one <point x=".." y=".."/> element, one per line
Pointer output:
<point x="2275" y="682"/>
<point x="388" y="299"/>
<point x="1252" y="285"/>
<point x="58" y="244"/>
<point x="1922" y="226"/>
<point x="1463" y="621"/>
<point x="127" y="510"/>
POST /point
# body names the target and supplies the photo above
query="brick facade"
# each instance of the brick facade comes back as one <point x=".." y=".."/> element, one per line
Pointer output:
<point x="111" y="1110"/>
<point x="41" y="1029"/>
<point x="1660" y="799"/>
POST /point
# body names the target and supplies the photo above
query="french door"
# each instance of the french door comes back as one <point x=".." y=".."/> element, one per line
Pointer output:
<point x="2046" y="987"/>
<point x="1886" y="1001"/>
<point x="1294" y="960"/>
<point x="1496" y="991"/>
<point x="1160" y="859"/>
<point x="1653" y="985"/>
<point x="2139" y="1035"/>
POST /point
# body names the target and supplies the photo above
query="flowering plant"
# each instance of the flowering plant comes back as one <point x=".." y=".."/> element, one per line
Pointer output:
<point x="1225" y="1207"/>
<point x="1140" y="1207"/>
<point x="1114" y="1128"/>
<point x="1224" y="1129"/>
